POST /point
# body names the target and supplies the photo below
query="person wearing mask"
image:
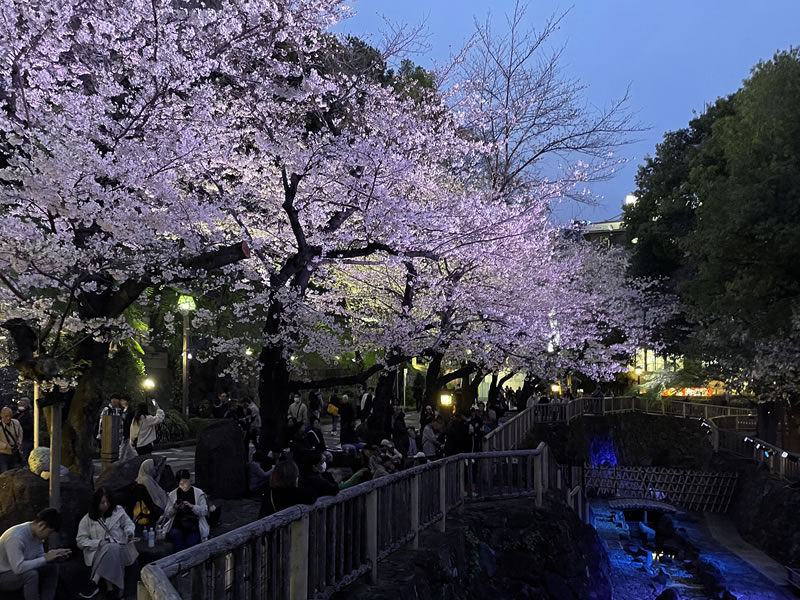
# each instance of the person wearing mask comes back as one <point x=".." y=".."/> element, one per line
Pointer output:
<point x="25" y="418"/>
<point x="298" y="411"/>
<point x="105" y="534"/>
<point x="11" y="440"/>
<point x="24" y="565"/>
<point x="143" y="428"/>
<point x="184" y="519"/>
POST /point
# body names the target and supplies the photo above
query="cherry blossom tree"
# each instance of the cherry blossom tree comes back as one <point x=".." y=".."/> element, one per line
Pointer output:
<point x="119" y="121"/>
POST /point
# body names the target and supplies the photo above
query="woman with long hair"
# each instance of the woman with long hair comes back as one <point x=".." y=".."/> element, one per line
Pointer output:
<point x="105" y="534"/>
<point x="143" y="427"/>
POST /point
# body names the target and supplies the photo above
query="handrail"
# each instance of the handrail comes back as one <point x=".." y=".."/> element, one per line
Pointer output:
<point x="740" y="440"/>
<point x="300" y="538"/>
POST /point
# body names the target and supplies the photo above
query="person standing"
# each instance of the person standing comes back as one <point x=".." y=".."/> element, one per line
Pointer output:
<point x="25" y="418"/>
<point x="255" y="424"/>
<point x="219" y="408"/>
<point x="10" y="441"/>
<point x="365" y="407"/>
<point x="298" y="411"/>
<point x="430" y="438"/>
<point x="112" y="408"/>
<point x="24" y="565"/>
<point x="143" y="428"/>
<point x="126" y="418"/>
<point x="105" y="534"/>
<point x="348" y="416"/>
<point x="334" y="412"/>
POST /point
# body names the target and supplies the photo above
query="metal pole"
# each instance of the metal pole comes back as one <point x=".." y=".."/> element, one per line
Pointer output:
<point x="405" y="372"/>
<point x="185" y="405"/>
<point x="35" y="414"/>
<point x="55" y="457"/>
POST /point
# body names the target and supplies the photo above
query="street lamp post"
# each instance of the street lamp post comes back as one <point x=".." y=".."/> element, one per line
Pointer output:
<point x="638" y="371"/>
<point x="186" y="305"/>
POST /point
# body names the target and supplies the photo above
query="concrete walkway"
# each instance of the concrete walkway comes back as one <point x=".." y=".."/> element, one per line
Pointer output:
<point x="725" y="533"/>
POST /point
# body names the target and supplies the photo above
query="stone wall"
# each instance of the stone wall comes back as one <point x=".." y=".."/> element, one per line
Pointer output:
<point x="500" y="550"/>
<point x="766" y="510"/>
<point x="639" y="440"/>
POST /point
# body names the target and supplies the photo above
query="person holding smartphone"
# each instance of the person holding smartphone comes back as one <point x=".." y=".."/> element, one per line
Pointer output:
<point x="24" y="565"/>
<point x="185" y="518"/>
<point x="143" y="427"/>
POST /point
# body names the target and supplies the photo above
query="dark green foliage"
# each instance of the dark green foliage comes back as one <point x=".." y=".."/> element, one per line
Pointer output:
<point x="124" y="374"/>
<point x="718" y="217"/>
<point x="174" y="428"/>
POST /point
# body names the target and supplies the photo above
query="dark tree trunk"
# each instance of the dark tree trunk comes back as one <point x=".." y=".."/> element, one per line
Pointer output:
<point x="432" y="386"/>
<point x="382" y="404"/>
<point x="81" y="416"/>
<point x="470" y="390"/>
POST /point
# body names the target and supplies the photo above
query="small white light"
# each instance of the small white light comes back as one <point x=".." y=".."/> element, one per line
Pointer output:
<point x="249" y="352"/>
<point x="758" y="446"/>
<point x="189" y="355"/>
<point x="784" y="454"/>
<point x="747" y="439"/>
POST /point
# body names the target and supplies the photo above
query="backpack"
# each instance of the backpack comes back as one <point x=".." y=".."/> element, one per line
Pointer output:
<point x="142" y="514"/>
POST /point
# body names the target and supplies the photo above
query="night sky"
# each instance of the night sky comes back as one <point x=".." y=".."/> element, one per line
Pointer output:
<point x="676" y="56"/>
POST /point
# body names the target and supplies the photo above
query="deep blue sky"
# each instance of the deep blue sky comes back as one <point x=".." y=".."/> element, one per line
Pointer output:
<point x="676" y="55"/>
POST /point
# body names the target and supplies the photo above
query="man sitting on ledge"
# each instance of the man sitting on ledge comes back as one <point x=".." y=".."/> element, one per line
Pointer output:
<point x="24" y="565"/>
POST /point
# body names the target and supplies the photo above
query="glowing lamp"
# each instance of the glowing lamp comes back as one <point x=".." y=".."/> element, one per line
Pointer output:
<point x="555" y="388"/>
<point x="446" y="400"/>
<point x="186" y="304"/>
<point x="148" y="384"/>
<point x="638" y="371"/>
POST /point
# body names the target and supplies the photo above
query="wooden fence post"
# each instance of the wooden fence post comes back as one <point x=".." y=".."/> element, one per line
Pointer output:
<point x="537" y="478"/>
<point x="414" y="504"/>
<point x="298" y="559"/>
<point x="372" y="535"/>
<point x="441" y="525"/>
<point x="109" y="440"/>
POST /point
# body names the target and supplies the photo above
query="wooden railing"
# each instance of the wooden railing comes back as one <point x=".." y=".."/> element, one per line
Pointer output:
<point x="509" y="435"/>
<point x="312" y="551"/>
<point x="738" y="437"/>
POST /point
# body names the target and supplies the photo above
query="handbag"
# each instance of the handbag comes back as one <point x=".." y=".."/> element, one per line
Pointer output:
<point x="333" y="410"/>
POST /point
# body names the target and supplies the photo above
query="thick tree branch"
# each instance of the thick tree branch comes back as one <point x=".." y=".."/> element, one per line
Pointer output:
<point x="354" y="379"/>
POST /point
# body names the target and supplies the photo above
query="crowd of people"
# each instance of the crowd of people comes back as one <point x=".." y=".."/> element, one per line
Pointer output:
<point x="293" y="468"/>
<point x="106" y="536"/>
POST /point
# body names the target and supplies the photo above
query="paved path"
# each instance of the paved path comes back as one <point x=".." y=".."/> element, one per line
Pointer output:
<point x="725" y="533"/>
<point x="183" y="458"/>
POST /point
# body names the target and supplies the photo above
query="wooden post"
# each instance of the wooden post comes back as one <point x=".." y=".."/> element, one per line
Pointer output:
<point x="372" y="536"/>
<point x="546" y="468"/>
<point x="298" y="559"/>
<point x="35" y="414"/>
<point x="683" y="406"/>
<point x="141" y="592"/>
<point x="441" y="524"/>
<point x="109" y="440"/>
<point x="537" y="478"/>
<point x="705" y="410"/>
<point x="414" y="504"/>
<point x="55" y="457"/>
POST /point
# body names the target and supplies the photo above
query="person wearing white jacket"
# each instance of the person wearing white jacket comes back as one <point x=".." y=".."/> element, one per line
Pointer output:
<point x="143" y="428"/>
<point x="184" y="520"/>
<point x="105" y="535"/>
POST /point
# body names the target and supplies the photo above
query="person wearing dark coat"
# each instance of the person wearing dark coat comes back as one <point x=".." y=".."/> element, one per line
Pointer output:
<point x="400" y="433"/>
<point x="347" y="415"/>
<point x="458" y="439"/>
<point x="284" y="489"/>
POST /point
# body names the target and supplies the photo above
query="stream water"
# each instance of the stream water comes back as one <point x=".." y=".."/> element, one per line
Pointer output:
<point x="691" y="562"/>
